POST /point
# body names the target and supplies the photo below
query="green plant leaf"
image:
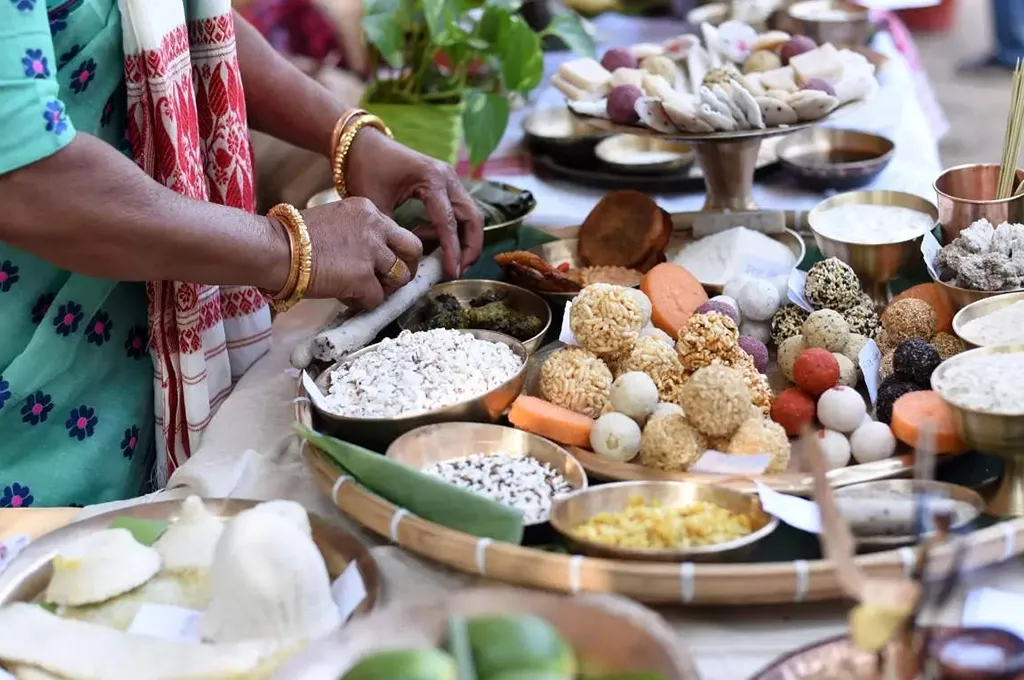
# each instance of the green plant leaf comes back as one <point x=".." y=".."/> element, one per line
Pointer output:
<point x="441" y="19"/>
<point x="491" y="25"/>
<point x="522" y="60"/>
<point x="509" y="6"/>
<point x="568" y="27"/>
<point x="385" y="34"/>
<point x="484" y="120"/>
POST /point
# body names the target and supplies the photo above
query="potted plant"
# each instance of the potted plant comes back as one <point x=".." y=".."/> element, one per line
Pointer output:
<point x="444" y="70"/>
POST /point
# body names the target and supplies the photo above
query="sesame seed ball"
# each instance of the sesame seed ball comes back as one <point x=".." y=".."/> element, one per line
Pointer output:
<point x="576" y="379"/>
<point x="885" y="368"/>
<point x="788" y="352"/>
<point x="947" y="345"/>
<point x="832" y="284"/>
<point x="787" y="322"/>
<point x="882" y="339"/>
<point x="915" y="360"/>
<point x="607" y="319"/>
<point x="670" y="443"/>
<point x="716" y="400"/>
<point x="826" y="328"/>
<point x="759" y="435"/>
<point x="863" y="319"/>
<point x="907" y="319"/>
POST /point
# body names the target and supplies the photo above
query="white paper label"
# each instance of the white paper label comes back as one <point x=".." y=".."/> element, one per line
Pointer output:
<point x="167" y="622"/>
<point x="292" y="372"/>
<point x="930" y="250"/>
<point x="764" y="269"/>
<point x="870" y="360"/>
<point x="566" y="336"/>
<point x="797" y="278"/>
<point x="348" y="590"/>
<point x="719" y="463"/>
<point x="798" y="513"/>
<point x="10" y="548"/>
<point x="315" y="395"/>
<point x="988" y="607"/>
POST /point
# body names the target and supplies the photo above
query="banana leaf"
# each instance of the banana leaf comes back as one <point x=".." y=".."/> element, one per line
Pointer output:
<point x="423" y="495"/>
<point x="497" y="202"/>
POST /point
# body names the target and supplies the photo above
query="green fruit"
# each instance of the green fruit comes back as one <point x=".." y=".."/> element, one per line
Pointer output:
<point x="502" y="644"/>
<point x="405" y="664"/>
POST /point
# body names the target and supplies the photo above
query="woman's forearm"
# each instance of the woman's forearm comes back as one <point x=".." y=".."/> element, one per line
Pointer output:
<point x="281" y="100"/>
<point x="89" y="209"/>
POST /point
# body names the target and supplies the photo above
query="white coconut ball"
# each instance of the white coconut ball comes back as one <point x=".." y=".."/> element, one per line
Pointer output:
<point x="665" y="408"/>
<point x="634" y="394"/>
<point x="781" y="283"/>
<point x="758" y="300"/>
<point x="727" y="300"/>
<point x="841" y="409"/>
<point x="848" y="375"/>
<point x="653" y="331"/>
<point x="835" y="447"/>
<point x="615" y="436"/>
<point x="872" y="441"/>
<point x="761" y="330"/>
<point x="733" y="286"/>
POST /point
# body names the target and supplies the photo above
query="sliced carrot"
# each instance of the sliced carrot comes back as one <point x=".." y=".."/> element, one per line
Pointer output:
<point x="933" y="294"/>
<point x="675" y="294"/>
<point x="914" y="409"/>
<point x="551" y="421"/>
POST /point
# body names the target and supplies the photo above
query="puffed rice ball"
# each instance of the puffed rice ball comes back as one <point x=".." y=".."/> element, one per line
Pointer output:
<point x="671" y="444"/>
<point x="657" y="359"/>
<point x="576" y="379"/>
<point x="826" y="328"/>
<point x="716" y="400"/>
<point x="789" y="350"/>
<point x="607" y="319"/>
<point x="759" y="435"/>
<point x="758" y="300"/>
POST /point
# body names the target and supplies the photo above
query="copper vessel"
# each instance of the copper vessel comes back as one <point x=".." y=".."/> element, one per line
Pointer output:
<point x="966" y="193"/>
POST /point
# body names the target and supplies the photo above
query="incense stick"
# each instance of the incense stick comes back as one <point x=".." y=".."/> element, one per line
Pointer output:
<point x="1011" y="139"/>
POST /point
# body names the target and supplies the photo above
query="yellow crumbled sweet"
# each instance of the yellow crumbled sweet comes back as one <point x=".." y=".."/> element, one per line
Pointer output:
<point x="576" y="379"/>
<point x="607" y="319"/>
<point x="760" y="435"/>
<point x="670" y="443"/>
<point x="653" y="526"/>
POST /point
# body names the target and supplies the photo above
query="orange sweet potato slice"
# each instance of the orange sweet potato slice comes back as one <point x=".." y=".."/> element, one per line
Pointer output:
<point x="548" y="420"/>
<point x="675" y="294"/>
<point x="914" y="409"/>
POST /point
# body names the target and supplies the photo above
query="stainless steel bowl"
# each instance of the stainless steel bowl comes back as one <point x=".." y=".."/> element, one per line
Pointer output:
<point x="576" y="508"/>
<point x="972" y="502"/>
<point x="831" y="158"/>
<point x="464" y="290"/>
<point x="981" y="308"/>
<point x="378" y="433"/>
<point x="431" y="444"/>
<point x="875" y="264"/>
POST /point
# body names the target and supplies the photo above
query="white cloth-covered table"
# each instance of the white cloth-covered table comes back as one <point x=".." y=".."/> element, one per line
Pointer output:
<point x="249" y="452"/>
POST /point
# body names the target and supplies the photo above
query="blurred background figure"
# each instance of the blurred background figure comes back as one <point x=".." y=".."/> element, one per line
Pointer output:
<point x="1008" y="32"/>
<point x="326" y="31"/>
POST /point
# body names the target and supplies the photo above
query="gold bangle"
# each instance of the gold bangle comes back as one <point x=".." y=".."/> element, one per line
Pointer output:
<point x="301" y="257"/>
<point x="339" y="128"/>
<point x="293" y="267"/>
<point x="348" y="136"/>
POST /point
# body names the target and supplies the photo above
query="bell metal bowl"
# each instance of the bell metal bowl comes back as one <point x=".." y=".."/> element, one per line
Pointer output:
<point x="843" y="24"/>
<point x="959" y="298"/>
<point x="875" y="264"/>
<point x="516" y="298"/>
<point x="576" y="508"/>
<point x="378" y="433"/>
<point x="431" y="444"/>
<point x="981" y="308"/>
<point x="557" y="133"/>
<point x="634" y="155"/>
<point x="816" y="157"/>
<point x="997" y="434"/>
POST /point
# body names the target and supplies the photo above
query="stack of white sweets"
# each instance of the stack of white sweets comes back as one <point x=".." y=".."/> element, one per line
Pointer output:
<point x="737" y="80"/>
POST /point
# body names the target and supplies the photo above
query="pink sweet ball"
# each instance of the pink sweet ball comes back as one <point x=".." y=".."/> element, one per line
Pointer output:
<point x="721" y="308"/>
<point x="756" y="349"/>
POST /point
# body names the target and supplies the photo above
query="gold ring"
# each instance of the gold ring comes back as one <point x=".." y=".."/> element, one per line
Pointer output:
<point x="395" y="273"/>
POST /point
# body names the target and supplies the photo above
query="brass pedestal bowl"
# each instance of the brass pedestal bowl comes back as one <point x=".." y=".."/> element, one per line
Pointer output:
<point x="875" y="264"/>
<point x="997" y="434"/>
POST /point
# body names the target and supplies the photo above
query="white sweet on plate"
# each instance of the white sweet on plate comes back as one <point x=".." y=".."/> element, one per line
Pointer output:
<point x="100" y="566"/>
<point x="268" y="581"/>
<point x="189" y="542"/>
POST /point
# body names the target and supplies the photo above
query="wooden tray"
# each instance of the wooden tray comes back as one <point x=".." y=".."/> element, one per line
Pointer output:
<point x="663" y="583"/>
<point x="615" y="634"/>
<point x="27" y="576"/>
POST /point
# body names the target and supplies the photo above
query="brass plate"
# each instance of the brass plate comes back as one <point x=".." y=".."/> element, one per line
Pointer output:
<point x="981" y="308"/>
<point x="26" y="578"/>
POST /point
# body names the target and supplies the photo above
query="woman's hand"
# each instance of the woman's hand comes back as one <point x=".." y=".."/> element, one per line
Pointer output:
<point x="360" y="256"/>
<point x="388" y="174"/>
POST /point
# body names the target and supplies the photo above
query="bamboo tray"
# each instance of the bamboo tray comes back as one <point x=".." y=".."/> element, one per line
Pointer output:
<point x="656" y="583"/>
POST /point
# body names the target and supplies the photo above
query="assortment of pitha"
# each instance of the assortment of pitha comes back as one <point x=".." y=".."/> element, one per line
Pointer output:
<point x="737" y="80"/>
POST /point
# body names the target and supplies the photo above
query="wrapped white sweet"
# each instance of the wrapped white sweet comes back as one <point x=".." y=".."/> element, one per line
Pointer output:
<point x="290" y="511"/>
<point x="100" y="566"/>
<point x="190" y="542"/>
<point x="268" y="581"/>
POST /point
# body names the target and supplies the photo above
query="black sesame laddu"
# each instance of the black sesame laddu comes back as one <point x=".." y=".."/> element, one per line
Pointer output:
<point x="915" y="360"/>
<point x="891" y="389"/>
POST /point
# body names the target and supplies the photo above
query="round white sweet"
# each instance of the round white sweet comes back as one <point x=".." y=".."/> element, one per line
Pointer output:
<point x="761" y="330"/>
<point x="665" y="408"/>
<point x="835" y="447"/>
<point x="634" y="394"/>
<point x="758" y="300"/>
<point x="727" y="300"/>
<point x="615" y="436"/>
<point x="841" y="409"/>
<point x="872" y="441"/>
<point x="733" y="286"/>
